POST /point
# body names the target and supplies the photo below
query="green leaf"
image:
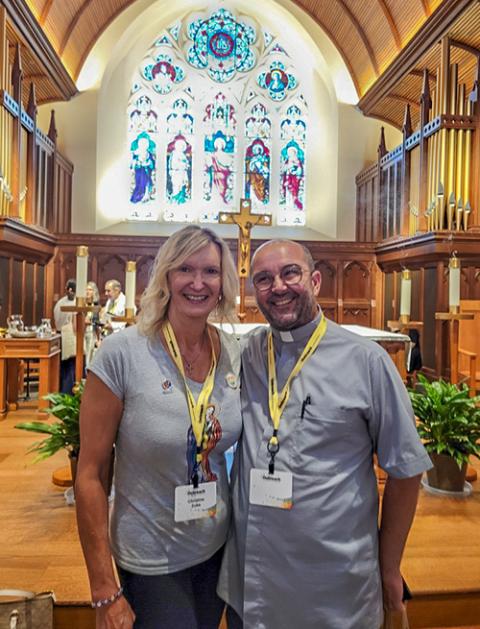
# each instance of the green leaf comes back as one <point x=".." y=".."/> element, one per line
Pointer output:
<point x="63" y="433"/>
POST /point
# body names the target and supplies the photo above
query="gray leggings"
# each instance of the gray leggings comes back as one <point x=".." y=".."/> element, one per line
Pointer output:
<point x="180" y="600"/>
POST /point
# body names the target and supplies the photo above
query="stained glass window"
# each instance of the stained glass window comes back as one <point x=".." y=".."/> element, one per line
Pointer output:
<point x="220" y="151"/>
<point x="162" y="73"/>
<point x="292" y="168"/>
<point x="179" y="157"/>
<point x="221" y="45"/>
<point x="277" y="81"/>
<point x="216" y="113"/>
<point x="257" y="157"/>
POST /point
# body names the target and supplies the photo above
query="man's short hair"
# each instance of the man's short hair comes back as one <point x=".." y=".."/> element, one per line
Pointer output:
<point x="306" y="252"/>
<point x="114" y="284"/>
<point x="71" y="284"/>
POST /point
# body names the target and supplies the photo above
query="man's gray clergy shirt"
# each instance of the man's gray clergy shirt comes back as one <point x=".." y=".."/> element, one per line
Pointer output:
<point x="316" y="565"/>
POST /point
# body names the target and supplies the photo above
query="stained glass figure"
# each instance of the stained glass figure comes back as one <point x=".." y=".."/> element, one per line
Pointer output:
<point x="257" y="173"/>
<point x="219" y="168"/>
<point x="277" y="81"/>
<point x="143" y="116"/>
<point x="142" y="165"/>
<point x="257" y="157"/>
<point x="162" y="73"/>
<point x="221" y="45"/>
<point x="220" y="148"/>
<point x="292" y="170"/>
<point x="179" y="170"/>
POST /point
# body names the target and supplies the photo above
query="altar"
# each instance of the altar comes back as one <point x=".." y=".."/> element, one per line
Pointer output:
<point x="46" y="350"/>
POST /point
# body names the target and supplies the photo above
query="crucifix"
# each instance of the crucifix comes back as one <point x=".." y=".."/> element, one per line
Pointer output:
<point x="245" y="220"/>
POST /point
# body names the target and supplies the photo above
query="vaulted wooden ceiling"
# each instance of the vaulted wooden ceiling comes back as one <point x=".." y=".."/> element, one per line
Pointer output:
<point x="368" y="33"/>
<point x="371" y="35"/>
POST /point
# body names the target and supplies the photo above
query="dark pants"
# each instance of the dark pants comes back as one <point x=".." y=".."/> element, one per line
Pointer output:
<point x="67" y="375"/>
<point x="180" y="600"/>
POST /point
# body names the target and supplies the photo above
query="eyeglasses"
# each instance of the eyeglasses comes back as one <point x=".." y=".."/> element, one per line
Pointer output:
<point x="290" y="274"/>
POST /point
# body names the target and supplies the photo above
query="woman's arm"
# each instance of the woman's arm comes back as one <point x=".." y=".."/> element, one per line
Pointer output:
<point x="100" y="416"/>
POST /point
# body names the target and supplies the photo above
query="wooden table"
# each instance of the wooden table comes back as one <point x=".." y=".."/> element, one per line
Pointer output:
<point x="46" y="350"/>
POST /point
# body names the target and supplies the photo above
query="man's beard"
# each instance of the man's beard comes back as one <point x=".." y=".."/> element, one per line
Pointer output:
<point x="305" y="311"/>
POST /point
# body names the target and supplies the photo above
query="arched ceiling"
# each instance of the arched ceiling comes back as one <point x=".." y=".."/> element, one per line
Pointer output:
<point x="368" y="33"/>
<point x="371" y="36"/>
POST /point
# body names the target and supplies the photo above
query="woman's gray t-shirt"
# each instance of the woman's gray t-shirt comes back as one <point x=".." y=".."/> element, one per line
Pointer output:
<point x="155" y="449"/>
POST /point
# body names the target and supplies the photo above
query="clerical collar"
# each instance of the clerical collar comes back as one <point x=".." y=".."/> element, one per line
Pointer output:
<point x="296" y="335"/>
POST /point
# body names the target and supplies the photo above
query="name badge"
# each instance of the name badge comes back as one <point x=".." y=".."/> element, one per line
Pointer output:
<point x="192" y="504"/>
<point x="271" y="490"/>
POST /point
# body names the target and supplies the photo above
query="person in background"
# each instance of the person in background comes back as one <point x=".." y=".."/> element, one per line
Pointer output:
<point x="115" y="307"/>
<point x="92" y="320"/>
<point x="414" y="361"/>
<point x="167" y="393"/>
<point x="64" y="323"/>
<point x="317" y="403"/>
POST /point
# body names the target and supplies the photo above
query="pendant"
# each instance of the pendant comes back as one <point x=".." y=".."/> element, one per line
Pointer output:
<point x="188" y="366"/>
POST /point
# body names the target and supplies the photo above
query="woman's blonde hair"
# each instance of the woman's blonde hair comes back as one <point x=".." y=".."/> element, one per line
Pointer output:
<point x="96" y="294"/>
<point x="173" y="253"/>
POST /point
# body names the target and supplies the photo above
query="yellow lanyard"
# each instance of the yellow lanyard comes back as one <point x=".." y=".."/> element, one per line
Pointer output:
<point x="197" y="409"/>
<point x="277" y="403"/>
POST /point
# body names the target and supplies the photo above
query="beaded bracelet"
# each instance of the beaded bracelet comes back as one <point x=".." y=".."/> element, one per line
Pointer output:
<point x="107" y="601"/>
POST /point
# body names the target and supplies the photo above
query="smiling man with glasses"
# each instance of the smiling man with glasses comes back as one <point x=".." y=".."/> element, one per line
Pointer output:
<point x="318" y="402"/>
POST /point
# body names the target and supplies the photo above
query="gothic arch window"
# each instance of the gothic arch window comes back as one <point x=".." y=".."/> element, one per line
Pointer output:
<point x="216" y="112"/>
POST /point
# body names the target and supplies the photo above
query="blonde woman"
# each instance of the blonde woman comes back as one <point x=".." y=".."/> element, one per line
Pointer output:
<point x="166" y="392"/>
<point x="91" y="322"/>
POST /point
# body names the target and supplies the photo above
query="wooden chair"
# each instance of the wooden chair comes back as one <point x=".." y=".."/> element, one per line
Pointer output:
<point x="28" y="373"/>
<point x="469" y="345"/>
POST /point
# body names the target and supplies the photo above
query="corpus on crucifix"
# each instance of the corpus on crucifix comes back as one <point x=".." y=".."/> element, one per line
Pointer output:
<point x="245" y="220"/>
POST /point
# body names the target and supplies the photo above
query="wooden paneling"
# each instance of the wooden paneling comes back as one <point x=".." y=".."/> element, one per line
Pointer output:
<point x="346" y="270"/>
<point x="25" y="253"/>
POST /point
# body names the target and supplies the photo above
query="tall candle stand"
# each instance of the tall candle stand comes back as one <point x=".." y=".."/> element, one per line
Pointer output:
<point x="63" y="476"/>
<point x="453" y="317"/>
<point x="80" y="310"/>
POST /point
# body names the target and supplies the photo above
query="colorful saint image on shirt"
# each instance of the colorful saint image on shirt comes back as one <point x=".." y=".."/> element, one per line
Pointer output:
<point x="213" y="431"/>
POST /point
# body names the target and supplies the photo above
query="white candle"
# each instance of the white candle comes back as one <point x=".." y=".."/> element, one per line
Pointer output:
<point x="130" y="279"/>
<point x="454" y="284"/>
<point x="82" y="271"/>
<point x="405" y="293"/>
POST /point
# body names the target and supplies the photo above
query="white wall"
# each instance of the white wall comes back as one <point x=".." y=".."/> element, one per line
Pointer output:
<point x="92" y="127"/>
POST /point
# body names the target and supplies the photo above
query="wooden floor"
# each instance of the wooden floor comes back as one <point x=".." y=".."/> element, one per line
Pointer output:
<point x="40" y="548"/>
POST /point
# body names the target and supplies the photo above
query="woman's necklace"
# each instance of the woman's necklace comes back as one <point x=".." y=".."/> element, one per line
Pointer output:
<point x="189" y="363"/>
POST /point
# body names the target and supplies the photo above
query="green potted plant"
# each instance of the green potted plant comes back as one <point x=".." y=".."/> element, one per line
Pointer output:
<point x="64" y="433"/>
<point x="448" y="421"/>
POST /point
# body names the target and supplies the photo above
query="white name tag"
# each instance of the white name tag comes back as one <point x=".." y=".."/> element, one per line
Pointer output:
<point x="192" y="504"/>
<point x="271" y="490"/>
